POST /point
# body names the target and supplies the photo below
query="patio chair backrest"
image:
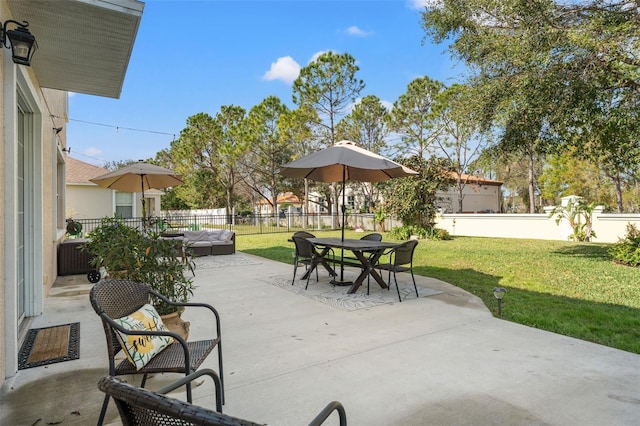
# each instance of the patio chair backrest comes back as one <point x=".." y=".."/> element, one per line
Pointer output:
<point x="303" y="234"/>
<point x="116" y="299"/>
<point x="304" y="248"/>
<point x="139" y="406"/>
<point x="403" y="255"/>
<point x="372" y="237"/>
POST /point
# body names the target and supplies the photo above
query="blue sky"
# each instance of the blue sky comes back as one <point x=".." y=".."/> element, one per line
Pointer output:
<point x="196" y="56"/>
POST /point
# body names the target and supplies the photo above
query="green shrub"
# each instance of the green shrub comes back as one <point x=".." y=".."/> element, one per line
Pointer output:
<point x="440" y="234"/>
<point x="627" y="249"/>
<point x="129" y="253"/>
<point x="405" y="232"/>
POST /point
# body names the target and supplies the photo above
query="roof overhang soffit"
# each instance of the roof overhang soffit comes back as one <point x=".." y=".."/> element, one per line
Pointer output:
<point x="84" y="46"/>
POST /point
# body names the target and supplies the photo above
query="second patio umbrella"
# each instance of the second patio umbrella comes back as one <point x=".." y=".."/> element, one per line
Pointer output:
<point x="342" y="162"/>
<point x="139" y="177"/>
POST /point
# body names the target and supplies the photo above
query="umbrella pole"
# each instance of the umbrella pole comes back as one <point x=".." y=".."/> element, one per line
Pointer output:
<point x="344" y="210"/>
<point x="344" y="169"/>
<point x="144" y="213"/>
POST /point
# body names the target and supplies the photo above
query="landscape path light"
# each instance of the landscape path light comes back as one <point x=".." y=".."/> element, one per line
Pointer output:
<point x="498" y="293"/>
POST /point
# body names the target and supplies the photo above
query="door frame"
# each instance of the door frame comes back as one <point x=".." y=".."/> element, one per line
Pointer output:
<point x="18" y="89"/>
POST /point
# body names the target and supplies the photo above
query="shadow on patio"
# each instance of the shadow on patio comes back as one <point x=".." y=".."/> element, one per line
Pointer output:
<point x="439" y="359"/>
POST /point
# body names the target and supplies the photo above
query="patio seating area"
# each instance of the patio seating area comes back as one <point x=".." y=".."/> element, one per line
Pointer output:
<point x="435" y="359"/>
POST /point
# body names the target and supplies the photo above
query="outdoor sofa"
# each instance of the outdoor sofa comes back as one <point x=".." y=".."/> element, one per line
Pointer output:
<point x="210" y="242"/>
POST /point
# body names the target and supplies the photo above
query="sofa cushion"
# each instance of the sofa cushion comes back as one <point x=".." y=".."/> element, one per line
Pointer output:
<point x="215" y="234"/>
<point x="198" y="243"/>
<point x="226" y="235"/>
<point x="196" y="235"/>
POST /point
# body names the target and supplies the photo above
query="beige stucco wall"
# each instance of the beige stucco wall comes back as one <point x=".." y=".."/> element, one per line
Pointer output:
<point x="3" y="279"/>
<point x="88" y="202"/>
<point x="57" y="101"/>
<point x="42" y="177"/>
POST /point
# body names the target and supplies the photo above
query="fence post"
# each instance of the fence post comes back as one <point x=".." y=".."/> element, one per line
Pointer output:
<point x="303" y="217"/>
<point x="289" y="218"/>
<point x="333" y="218"/>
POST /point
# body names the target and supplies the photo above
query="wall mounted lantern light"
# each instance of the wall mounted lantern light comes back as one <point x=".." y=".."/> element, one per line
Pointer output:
<point x="23" y="43"/>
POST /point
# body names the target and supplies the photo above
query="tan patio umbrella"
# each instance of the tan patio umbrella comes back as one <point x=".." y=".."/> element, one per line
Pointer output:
<point x="139" y="177"/>
<point x="342" y="162"/>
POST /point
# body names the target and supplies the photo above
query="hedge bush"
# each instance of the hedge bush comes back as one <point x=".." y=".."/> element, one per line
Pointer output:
<point x="627" y="249"/>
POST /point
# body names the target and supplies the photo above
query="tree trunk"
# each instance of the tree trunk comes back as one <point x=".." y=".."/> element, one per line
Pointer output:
<point x="229" y="201"/>
<point x="618" y="189"/>
<point x="306" y="195"/>
<point x="460" y="188"/>
<point x="532" y="195"/>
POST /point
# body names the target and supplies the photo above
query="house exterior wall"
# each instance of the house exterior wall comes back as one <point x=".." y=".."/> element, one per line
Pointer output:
<point x="53" y="229"/>
<point x="475" y="199"/>
<point x="3" y="219"/>
<point x="152" y="203"/>
<point x="38" y="222"/>
<point x="88" y="202"/>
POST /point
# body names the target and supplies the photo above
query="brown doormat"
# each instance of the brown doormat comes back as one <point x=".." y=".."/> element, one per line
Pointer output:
<point x="49" y="345"/>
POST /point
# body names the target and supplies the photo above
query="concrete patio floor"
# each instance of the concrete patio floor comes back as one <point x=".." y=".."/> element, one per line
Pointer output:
<point x="438" y="360"/>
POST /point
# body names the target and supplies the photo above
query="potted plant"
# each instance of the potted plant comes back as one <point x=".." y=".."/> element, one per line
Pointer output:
<point x="113" y="246"/>
<point x="128" y="253"/>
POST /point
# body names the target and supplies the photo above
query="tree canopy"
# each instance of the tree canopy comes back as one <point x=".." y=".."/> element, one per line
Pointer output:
<point x="551" y="74"/>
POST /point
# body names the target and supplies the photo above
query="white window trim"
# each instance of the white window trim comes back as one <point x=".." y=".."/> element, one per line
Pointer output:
<point x="16" y="80"/>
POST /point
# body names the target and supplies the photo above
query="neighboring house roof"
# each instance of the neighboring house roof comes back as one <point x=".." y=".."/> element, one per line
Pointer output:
<point x="284" y="198"/>
<point x="479" y="180"/>
<point x="80" y="172"/>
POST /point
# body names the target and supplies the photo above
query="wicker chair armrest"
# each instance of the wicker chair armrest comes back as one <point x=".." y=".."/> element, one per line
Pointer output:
<point x="327" y="411"/>
<point x="193" y="305"/>
<point x="193" y="376"/>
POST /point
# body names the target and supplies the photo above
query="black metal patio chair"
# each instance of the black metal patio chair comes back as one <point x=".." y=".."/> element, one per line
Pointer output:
<point x="401" y="260"/>
<point x="142" y="407"/>
<point x="374" y="236"/>
<point x="306" y="254"/>
<point x="114" y="299"/>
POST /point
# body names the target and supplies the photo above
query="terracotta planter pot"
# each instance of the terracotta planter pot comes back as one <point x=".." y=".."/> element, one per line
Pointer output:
<point x="177" y="325"/>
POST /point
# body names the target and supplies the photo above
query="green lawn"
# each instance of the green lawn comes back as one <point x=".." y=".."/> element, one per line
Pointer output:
<point x="564" y="287"/>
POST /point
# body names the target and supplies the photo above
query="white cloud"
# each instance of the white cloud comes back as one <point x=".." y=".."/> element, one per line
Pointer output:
<point x="355" y="31"/>
<point x="421" y="4"/>
<point x="317" y="54"/>
<point x="284" y="68"/>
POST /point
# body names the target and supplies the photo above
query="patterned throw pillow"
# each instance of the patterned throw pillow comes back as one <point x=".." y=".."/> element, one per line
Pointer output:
<point x="141" y="349"/>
